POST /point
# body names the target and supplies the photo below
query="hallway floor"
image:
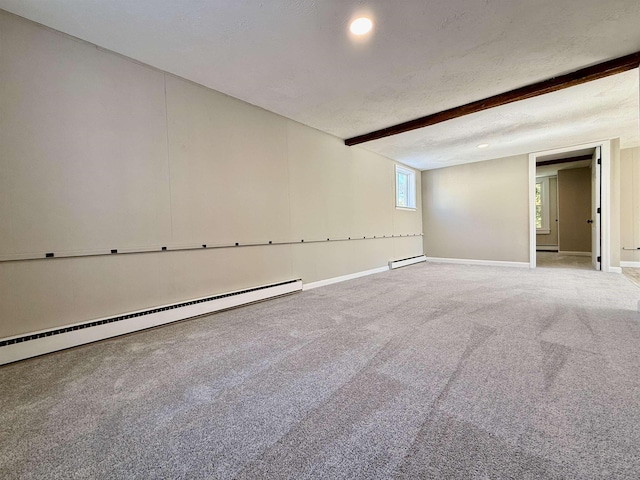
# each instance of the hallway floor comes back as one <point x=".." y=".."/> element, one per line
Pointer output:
<point x="555" y="260"/>
<point x="632" y="274"/>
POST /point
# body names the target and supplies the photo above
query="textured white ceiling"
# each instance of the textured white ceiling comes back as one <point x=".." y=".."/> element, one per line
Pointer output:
<point x="296" y="58"/>
<point x="605" y="108"/>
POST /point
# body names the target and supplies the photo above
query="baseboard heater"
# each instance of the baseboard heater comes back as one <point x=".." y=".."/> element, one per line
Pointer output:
<point x="33" y="344"/>
<point x="406" y="261"/>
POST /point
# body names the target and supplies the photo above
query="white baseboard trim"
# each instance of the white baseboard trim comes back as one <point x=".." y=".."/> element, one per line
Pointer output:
<point x="468" y="261"/>
<point x="24" y="346"/>
<point x="547" y="248"/>
<point x="615" y="270"/>
<point x="343" y="278"/>
<point x="630" y="264"/>
<point x="407" y="261"/>
<point x="575" y="254"/>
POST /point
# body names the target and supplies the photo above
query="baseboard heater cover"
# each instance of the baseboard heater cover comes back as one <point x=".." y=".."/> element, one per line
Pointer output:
<point x="407" y="261"/>
<point x="33" y="344"/>
<point x="487" y="263"/>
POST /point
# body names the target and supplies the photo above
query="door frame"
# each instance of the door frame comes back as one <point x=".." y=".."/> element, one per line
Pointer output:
<point x="605" y="217"/>
<point x="596" y="199"/>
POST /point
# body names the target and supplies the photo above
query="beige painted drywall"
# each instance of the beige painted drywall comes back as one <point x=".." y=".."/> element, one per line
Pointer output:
<point x="630" y="204"/>
<point x="551" y="238"/>
<point x="228" y="163"/>
<point x="478" y="211"/>
<point x="574" y="209"/>
<point x="100" y="152"/>
<point x="339" y="192"/>
<point x="83" y="134"/>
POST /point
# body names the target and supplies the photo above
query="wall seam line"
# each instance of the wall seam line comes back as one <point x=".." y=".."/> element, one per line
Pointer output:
<point x="290" y="205"/>
<point x="166" y="123"/>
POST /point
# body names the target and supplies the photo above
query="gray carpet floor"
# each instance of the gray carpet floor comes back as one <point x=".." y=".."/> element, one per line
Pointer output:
<point x="430" y="371"/>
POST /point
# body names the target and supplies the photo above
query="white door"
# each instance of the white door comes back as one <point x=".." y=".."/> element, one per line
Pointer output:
<point x="596" y="165"/>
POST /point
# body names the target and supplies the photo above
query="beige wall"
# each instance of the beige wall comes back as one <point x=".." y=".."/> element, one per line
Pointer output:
<point x="551" y="238"/>
<point x="478" y="211"/>
<point x="100" y="152"/>
<point x="574" y="207"/>
<point x="630" y="204"/>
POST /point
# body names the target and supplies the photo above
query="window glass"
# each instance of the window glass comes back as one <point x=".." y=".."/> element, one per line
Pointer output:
<point x="405" y="188"/>
<point x="538" y="205"/>
<point x="542" y="206"/>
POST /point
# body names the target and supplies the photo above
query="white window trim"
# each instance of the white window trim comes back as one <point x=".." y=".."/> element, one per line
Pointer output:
<point x="411" y="188"/>
<point x="546" y="229"/>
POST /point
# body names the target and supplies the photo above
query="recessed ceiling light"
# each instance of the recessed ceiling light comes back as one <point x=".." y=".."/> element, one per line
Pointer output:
<point x="361" y="26"/>
<point x="483" y="145"/>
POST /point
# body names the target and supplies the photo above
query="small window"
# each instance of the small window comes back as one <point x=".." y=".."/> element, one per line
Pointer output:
<point x="405" y="188"/>
<point x="542" y="206"/>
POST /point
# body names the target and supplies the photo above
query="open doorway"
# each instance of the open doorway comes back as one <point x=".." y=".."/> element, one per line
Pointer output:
<point x="564" y="209"/>
<point x="569" y="207"/>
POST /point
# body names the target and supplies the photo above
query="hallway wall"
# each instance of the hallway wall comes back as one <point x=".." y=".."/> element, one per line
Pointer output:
<point x="574" y="209"/>
<point x="630" y="204"/>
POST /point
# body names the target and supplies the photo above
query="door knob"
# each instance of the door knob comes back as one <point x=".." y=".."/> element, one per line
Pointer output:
<point x="589" y="221"/>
